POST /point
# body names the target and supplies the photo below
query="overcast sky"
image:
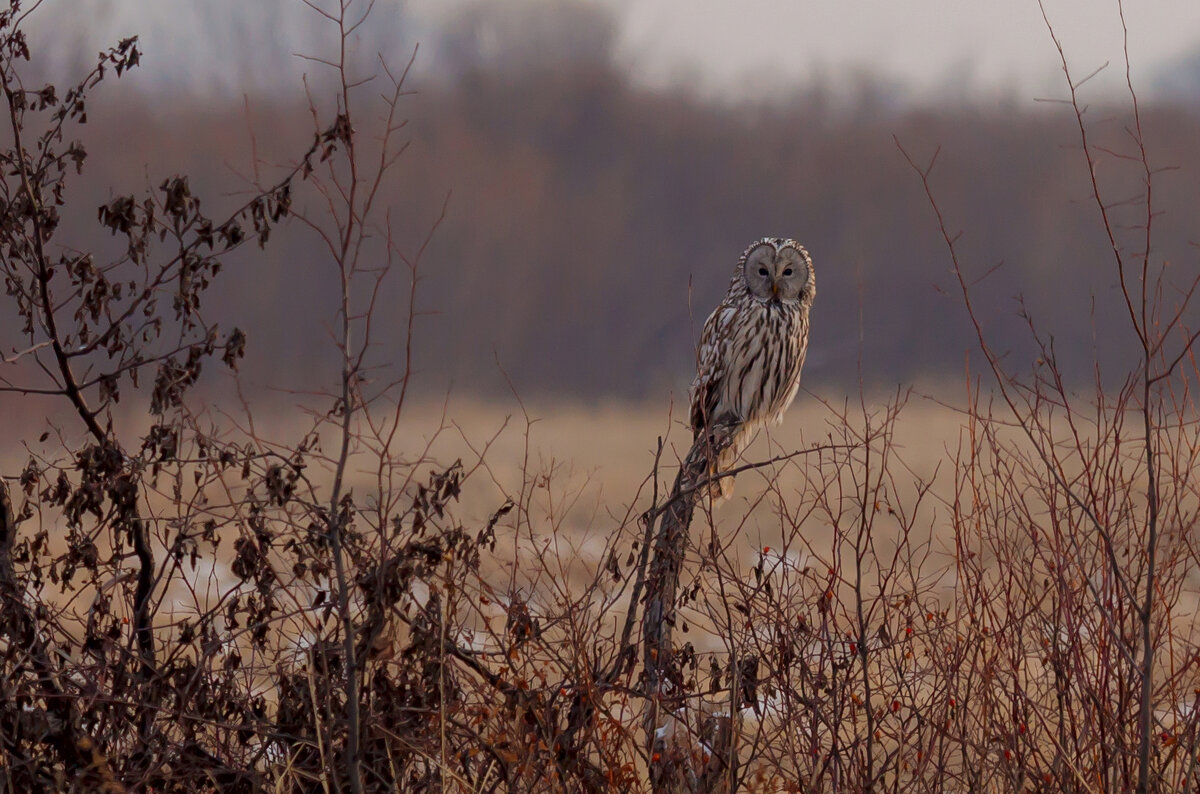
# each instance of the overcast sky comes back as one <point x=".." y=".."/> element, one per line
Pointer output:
<point x="925" y="45"/>
<point x="927" y="48"/>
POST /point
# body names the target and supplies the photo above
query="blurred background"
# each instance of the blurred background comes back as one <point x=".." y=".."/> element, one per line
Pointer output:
<point x="603" y="164"/>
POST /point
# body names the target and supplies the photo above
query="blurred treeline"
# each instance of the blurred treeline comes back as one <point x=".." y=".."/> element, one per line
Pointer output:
<point x="592" y="224"/>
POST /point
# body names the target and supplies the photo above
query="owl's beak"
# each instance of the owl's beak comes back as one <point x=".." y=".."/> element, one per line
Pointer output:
<point x="775" y="290"/>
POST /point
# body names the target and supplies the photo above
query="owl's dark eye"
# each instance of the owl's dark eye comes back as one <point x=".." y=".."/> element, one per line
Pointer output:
<point x="787" y="272"/>
<point x="762" y="271"/>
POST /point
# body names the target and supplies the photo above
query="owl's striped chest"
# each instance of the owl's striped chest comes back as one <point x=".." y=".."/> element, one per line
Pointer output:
<point x="764" y="356"/>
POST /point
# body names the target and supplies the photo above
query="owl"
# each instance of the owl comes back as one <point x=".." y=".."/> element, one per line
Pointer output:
<point x="753" y="347"/>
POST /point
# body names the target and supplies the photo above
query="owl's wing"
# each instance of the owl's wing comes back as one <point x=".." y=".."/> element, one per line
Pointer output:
<point x="710" y="371"/>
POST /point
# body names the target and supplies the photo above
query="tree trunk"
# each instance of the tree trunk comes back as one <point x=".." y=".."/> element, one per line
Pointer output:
<point x="689" y="752"/>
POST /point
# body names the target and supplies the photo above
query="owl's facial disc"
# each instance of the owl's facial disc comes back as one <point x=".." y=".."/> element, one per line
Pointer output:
<point x="791" y="274"/>
<point x="776" y="276"/>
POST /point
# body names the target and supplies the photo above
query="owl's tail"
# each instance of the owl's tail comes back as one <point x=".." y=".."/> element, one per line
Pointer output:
<point x="722" y="489"/>
<point x="726" y="459"/>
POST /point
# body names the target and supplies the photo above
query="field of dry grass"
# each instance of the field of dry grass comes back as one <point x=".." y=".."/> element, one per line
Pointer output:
<point x="598" y="456"/>
<point x="904" y="587"/>
<point x="601" y="455"/>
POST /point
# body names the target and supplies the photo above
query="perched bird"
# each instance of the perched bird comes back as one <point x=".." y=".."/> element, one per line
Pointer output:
<point x="753" y="347"/>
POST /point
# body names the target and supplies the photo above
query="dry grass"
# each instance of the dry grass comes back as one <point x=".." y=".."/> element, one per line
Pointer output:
<point x="908" y="596"/>
<point x="600" y="455"/>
